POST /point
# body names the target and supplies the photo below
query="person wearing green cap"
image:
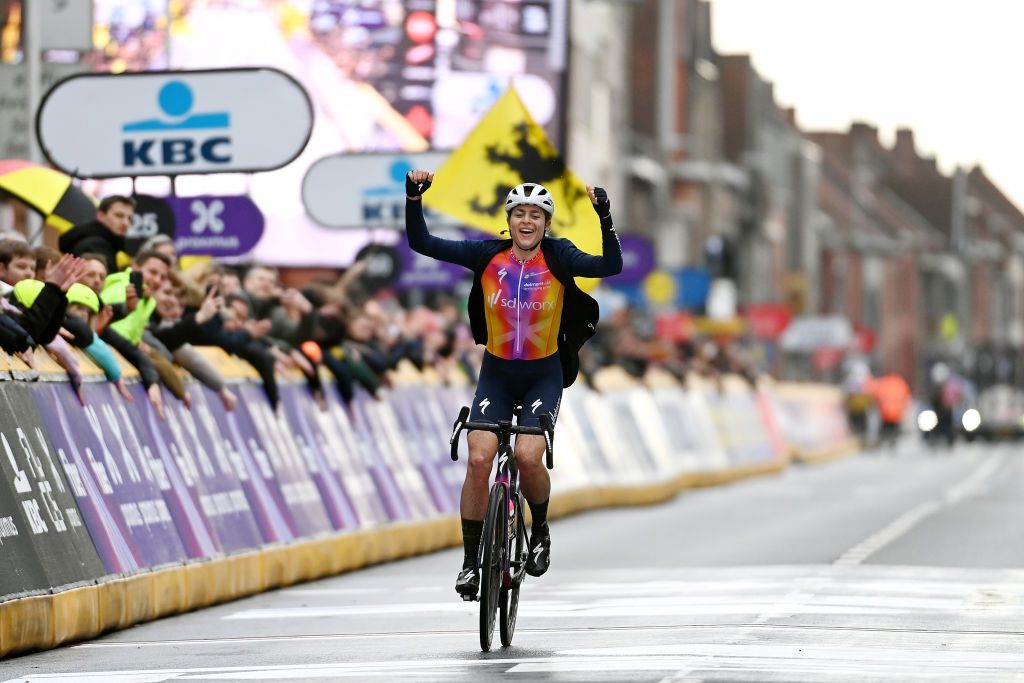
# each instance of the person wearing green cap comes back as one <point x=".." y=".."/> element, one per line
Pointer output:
<point x="83" y="306"/>
<point x="41" y="318"/>
<point x="96" y="278"/>
<point x="40" y="307"/>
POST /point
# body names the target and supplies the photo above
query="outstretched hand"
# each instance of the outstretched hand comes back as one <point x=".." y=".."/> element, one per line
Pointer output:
<point x="599" y="198"/>
<point x="210" y="307"/>
<point x="66" y="272"/>
<point x="417" y="182"/>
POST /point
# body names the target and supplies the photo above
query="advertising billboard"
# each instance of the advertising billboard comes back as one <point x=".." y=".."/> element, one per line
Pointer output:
<point x="362" y="190"/>
<point x="397" y="76"/>
<point x="185" y="122"/>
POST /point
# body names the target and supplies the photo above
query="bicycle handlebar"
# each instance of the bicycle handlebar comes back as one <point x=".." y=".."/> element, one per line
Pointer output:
<point x="546" y="430"/>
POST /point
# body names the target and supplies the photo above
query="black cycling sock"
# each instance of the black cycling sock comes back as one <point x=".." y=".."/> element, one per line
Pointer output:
<point x="472" y="529"/>
<point x="539" y="512"/>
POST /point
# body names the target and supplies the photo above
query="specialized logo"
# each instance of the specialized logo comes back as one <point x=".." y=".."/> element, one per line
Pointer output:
<point x="537" y="552"/>
<point x="493" y="299"/>
<point x="176" y="100"/>
<point x="483" y="405"/>
<point x="536" y="404"/>
<point x="207" y="216"/>
<point x="501" y="275"/>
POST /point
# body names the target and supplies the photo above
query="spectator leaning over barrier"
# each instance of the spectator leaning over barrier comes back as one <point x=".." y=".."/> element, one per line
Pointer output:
<point x="228" y="333"/>
<point x="154" y="268"/>
<point x="105" y="235"/>
<point x="37" y="306"/>
<point x="95" y="278"/>
<point x="82" y="313"/>
<point x="173" y="327"/>
<point x="291" y="322"/>
<point x="13" y="337"/>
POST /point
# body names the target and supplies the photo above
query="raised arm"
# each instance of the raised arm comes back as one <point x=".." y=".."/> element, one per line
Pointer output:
<point x="610" y="262"/>
<point x="461" y="252"/>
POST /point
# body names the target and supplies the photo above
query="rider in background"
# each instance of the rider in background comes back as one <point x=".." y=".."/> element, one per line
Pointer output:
<point x="526" y="309"/>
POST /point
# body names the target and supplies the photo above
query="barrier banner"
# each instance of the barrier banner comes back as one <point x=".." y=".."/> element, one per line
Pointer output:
<point x="284" y="473"/>
<point x="811" y="417"/>
<point x="739" y="424"/>
<point x="397" y="456"/>
<point x="701" y="428"/>
<point x="452" y="399"/>
<point x="348" y="465"/>
<point x="207" y="475"/>
<point x="368" y="445"/>
<point x="603" y="464"/>
<point x="438" y="420"/>
<point x="769" y="415"/>
<point x="309" y="443"/>
<point x="696" y="449"/>
<point x="666" y="451"/>
<point x="423" y="444"/>
<point x="129" y="519"/>
<point x="574" y="460"/>
<point x="43" y="539"/>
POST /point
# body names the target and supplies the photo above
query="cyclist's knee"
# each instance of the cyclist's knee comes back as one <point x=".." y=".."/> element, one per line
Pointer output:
<point x="530" y="453"/>
<point x="481" y="460"/>
<point x="482" y="448"/>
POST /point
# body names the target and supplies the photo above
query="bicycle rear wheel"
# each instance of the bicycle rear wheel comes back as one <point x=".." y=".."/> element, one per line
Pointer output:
<point x="509" y="600"/>
<point x="493" y="538"/>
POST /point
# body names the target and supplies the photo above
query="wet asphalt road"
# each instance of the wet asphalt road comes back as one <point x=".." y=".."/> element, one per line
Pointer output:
<point x="886" y="566"/>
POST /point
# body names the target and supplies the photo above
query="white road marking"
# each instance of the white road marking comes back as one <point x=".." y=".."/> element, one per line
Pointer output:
<point x="799" y="657"/>
<point x="332" y="591"/>
<point x="972" y="485"/>
<point x="951" y="624"/>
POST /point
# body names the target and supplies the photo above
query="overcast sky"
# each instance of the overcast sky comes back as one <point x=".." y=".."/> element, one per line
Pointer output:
<point x="952" y="70"/>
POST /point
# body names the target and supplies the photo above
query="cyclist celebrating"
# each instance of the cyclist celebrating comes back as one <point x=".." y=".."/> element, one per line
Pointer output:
<point x="526" y="308"/>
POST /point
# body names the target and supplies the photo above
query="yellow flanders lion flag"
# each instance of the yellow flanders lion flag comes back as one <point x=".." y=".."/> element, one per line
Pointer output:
<point x="506" y="148"/>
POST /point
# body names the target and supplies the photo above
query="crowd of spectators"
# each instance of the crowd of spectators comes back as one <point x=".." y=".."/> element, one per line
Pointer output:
<point x="154" y="314"/>
<point x="629" y="338"/>
<point x="93" y="296"/>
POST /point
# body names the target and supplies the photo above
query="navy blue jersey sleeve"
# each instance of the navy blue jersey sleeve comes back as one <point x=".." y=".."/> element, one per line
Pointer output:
<point x="461" y="252"/>
<point x="580" y="263"/>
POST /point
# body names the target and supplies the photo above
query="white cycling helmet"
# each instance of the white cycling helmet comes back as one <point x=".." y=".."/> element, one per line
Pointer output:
<point x="532" y="194"/>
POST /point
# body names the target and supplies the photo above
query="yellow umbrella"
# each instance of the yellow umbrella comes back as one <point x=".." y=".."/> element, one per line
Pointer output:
<point x="49" y="192"/>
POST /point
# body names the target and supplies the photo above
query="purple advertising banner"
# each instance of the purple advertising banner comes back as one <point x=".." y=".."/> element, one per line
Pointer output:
<point x="216" y="226"/>
<point x="290" y="481"/>
<point x="637" y="260"/>
<point x="207" y="471"/>
<point x="349" y="464"/>
<point x="401" y="457"/>
<point x="367" y="443"/>
<point x="424" y="443"/>
<point x="310" y="442"/>
<point x="124" y="484"/>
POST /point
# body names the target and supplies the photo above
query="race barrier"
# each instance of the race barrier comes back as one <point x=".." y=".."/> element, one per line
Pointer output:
<point x="110" y="516"/>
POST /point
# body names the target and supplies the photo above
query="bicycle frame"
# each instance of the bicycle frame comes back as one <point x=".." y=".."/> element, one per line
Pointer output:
<point x="509" y="542"/>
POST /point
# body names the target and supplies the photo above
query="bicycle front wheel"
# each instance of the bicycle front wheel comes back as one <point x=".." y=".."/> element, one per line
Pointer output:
<point x="493" y="540"/>
<point x="509" y="600"/>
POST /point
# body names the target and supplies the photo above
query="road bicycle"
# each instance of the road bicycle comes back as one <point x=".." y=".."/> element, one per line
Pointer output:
<point x="503" y="544"/>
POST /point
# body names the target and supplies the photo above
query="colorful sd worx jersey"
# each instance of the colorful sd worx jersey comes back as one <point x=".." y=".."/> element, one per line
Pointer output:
<point x="523" y="307"/>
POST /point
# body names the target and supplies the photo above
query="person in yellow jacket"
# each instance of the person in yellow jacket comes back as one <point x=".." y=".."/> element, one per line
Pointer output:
<point x="130" y="294"/>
